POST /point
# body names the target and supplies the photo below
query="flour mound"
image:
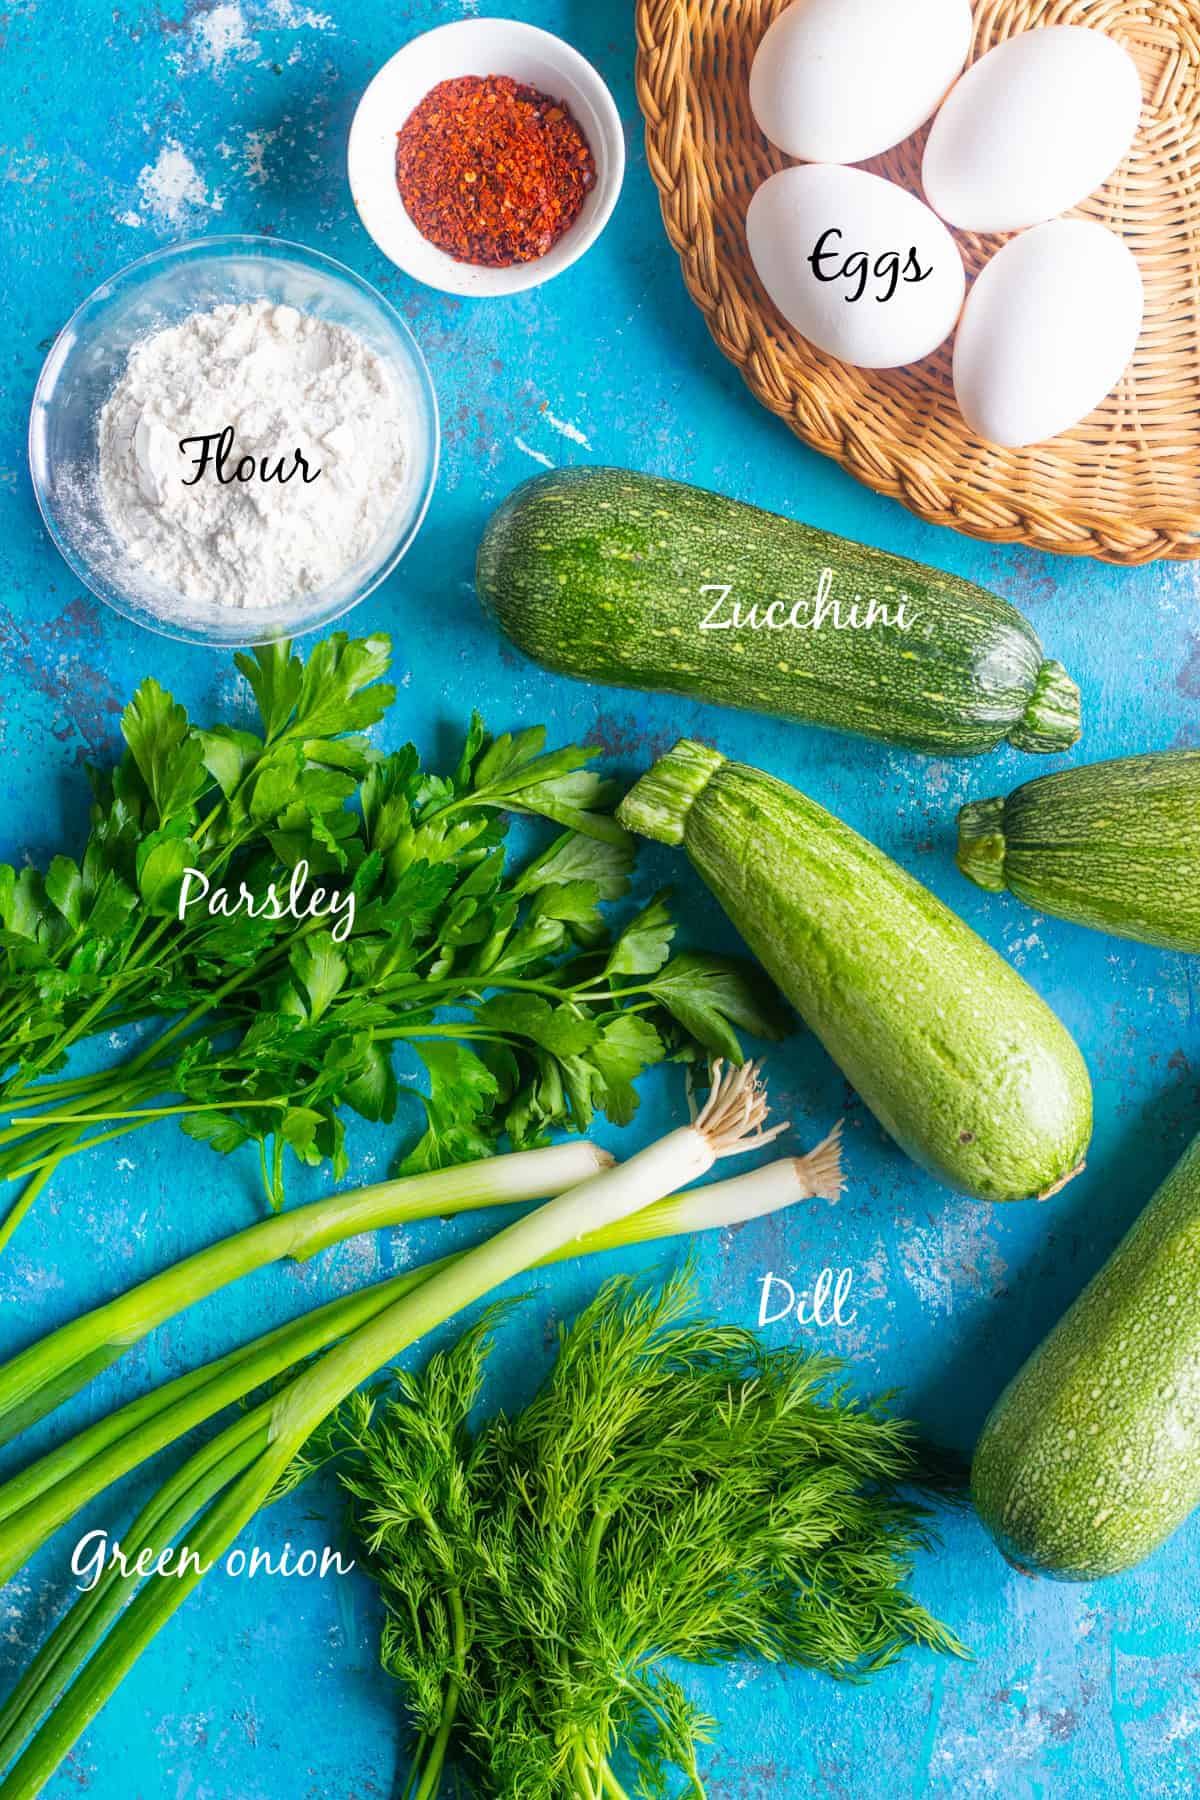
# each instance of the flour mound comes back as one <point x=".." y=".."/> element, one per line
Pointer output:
<point x="283" y="380"/>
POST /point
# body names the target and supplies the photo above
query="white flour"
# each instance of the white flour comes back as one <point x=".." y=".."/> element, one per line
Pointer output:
<point x="284" y="381"/>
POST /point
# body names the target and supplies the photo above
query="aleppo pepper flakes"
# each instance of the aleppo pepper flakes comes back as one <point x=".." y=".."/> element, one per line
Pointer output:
<point x="491" y="171"/>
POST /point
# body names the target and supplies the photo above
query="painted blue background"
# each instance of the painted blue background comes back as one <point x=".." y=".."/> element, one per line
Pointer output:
<point x="127" y="128"/>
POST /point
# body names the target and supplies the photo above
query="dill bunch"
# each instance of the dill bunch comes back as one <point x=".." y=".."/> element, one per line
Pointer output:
<point x="674" y="1490"/>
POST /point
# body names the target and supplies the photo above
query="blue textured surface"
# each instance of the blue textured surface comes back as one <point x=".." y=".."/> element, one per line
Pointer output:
<point x="257" y="1691"/>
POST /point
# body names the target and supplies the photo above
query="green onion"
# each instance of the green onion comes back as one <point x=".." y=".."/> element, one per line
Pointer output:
<point x="730" y="1123"/>
<point x="43" y="1496"/>
<point x="37" y="1380"/>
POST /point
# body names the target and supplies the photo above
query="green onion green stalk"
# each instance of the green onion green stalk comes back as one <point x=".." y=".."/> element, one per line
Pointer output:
<point x="40" y="1378"/>
<point x="52" y="1490"/>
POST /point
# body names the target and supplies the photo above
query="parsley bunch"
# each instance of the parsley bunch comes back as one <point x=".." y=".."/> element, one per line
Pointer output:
<point x="673" y="1490"/>
<point x="529" y="1009"/>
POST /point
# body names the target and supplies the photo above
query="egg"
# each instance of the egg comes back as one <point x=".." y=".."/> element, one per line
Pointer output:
<point x="841" y="80"/>
<point x="1048" y="330"/>
<point x="857" y="265"/>
<point x="1032" y="129"/>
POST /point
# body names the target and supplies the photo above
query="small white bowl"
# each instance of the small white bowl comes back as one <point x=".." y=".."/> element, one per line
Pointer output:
<point x="479" y="47"/>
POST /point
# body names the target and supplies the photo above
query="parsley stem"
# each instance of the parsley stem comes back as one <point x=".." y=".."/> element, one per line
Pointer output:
<point x="135" y="952"/>
<point x="204" y="1008"/>
<point x="79" y="1027"/>
<point x="66" y="1139"/>
<point x="25" y="1200"/>
<point x="98" y="1086"/>
<point x="414" y="1033"/>
<point x="209" y="1005"/>
<point x="58" y="1090"/>
<point x="113" y="1084"/>
<point x="201" y="1010"/>
<point x="25" y="1124"/>
<point x="156" y="1112"/>
<point x="50" y="1161"/>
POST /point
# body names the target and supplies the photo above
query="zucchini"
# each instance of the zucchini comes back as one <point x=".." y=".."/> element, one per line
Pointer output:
<point x="617" y="578"/>
<point x="953" y="1052"/>
<point x="1090" y="1459"/>
<point x="1114" y="845"/>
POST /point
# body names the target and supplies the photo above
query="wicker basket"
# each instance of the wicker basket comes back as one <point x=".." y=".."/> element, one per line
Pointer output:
<point x="1125" y="484"/>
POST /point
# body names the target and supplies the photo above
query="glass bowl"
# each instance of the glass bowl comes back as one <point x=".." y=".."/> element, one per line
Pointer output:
<point x="87" y="360"/>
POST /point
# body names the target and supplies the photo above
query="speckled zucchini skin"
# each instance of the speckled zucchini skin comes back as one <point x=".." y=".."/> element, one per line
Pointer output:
<point x="957" y="1057"/>
<point x="1113" y="845"/>
<point x="1090" y="1459"/>
<point x="598" y="573"/>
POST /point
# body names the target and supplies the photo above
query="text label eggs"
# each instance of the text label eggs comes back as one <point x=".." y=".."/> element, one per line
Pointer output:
<point x="859" y="267"/>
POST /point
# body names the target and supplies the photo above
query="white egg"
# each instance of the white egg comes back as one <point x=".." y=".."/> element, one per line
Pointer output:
<point x="860" y="267"/>
<point x="1032" y="129"/>
<point x="841" y="80"/>
<point x="1047" y="331"/>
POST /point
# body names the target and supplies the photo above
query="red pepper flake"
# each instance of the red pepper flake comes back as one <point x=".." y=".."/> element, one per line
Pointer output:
<point x="491" y="171"/>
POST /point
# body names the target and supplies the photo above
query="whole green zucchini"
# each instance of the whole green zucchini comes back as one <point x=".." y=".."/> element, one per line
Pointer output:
<point x="1114" y="845"/>
<point x="953" y="1052"/>
<point x="1090" y="1458"/>
<point x="638" y="582"/>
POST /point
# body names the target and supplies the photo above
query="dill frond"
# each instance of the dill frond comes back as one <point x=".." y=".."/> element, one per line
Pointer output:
<point x="673" y="1490"/>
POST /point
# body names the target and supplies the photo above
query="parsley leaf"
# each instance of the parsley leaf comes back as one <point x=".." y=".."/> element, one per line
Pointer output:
<point x="462" y="1090"/>
<point x="169" y="758"/>
<point x="628" y="1044"/>
<point x="710" y="996"/>
<point x="645" y="944"/>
